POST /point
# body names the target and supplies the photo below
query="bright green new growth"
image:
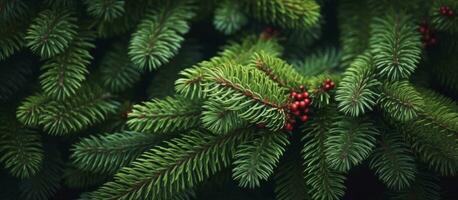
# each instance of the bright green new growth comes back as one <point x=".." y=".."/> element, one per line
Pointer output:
<point x="51" y="33"/>
<point x="160" y="34"/>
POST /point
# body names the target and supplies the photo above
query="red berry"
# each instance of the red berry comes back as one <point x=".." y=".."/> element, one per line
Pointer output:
<point x="293" y="94"/>
<point x="297" y="113"/>
<point x="291" y="120"/>
<point x="293" y="107"/>
<point x="328" y="80"/>
<point x="307" y="101"/>
<point x="332" y="84"/>
<point x="327" y="86"/>
<point x="299" y="97"/>
<point x="306" y="110"/>
<point x="305" y="94"/>
<point x="289" y="127"/>
<point x="301" y="87"/>
<point x="302" y="104"/>
<point x="304" y="118"/>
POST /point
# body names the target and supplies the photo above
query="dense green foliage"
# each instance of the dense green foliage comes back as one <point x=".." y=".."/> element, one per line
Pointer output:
<point x="162" y="99"/>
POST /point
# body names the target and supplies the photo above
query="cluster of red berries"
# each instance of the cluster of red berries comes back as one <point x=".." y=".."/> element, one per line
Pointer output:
<point x="427" y="36"/>
<point x="446" y="11"/>
<point x="299" y="108"/>
<point x="328" y="84"/>
<point x="269" y="33"/>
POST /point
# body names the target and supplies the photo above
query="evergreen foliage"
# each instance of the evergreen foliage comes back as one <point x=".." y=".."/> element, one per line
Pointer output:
<point x="252" y="99"/>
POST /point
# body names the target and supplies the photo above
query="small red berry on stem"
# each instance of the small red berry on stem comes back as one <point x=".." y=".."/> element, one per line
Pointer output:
<point x="304" y="118"/>
<point x="289" y="127"/>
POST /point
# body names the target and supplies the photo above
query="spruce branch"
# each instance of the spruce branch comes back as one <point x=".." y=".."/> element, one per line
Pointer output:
<point x="218" y="118"/>
<point x="255" y="160"/>
<point x="248" y="91"/>
<point x="91" y="106"/>
<point x="21" y="150"/>
<point x="294" y="14"/>
<point x="65" y="73"/>
<point x="278" y="70"/>
<point x="357" y="92"/>
<point x="164" y="172"/>
<point x="433" y="134"/>
<point x="393" y="162"/>
<point x="107" y="153"/>
<point x="400" y="100"/>
<point x="395" y="44"/>
<point x="165" y="115"/>
<point x="117" y="71"/>
<point x="106" y="10"/>
<point x="351" y="141"/>
<point x="159" y="36"/>
<point x="51" y="32"/>
<point x="229" y="17"/>
<point x="324" y="182"/>
<point x="289" y="180"/>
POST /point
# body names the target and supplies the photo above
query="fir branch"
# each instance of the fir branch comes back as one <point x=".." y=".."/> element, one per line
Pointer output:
<point x="229" y="17"/>
<point x="165" y="116"/>
<point x="263" y="100"/>
<point x="357" y="93"/>
<point x="218" y="118"/>
<point x="351" y="141"/>
<point x="51" y="33"/>
<point x="289" y="180"/>
<point x="117" y="72"/>
<point x="109" y="152"/>
<point x="324" y="182"/>
<point x="433" y="134"/>
<point x="395" y="44"/>
<point x="21" y="150"/>
<point x="46" y="183"/>
<point x="294" y="14"/>
<point x="31" y="110"/>
<point x="159" y="36"/>
<point x="165" y="171"/>
<point x="393" y="162"/>
<point x="89" y="107"/>
<point x="278" y="70"/>
<point x="256" y="160"/>
<point x="106" y="10"/>
<point x="400" y="100"/>
<point x="64" y="74"/>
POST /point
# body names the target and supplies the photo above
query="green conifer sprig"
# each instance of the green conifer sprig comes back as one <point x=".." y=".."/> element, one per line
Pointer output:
<point x="255" y="160"/>
<point x="395" y="44"/>
<point x="51" y="33"/>
<point x="165" y="116"/>
<point x="105" y="10"/>
<point x="159" y="36"/>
